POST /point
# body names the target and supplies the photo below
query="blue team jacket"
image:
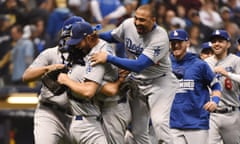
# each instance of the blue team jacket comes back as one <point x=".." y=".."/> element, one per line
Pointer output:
<point x="187" y="109"/>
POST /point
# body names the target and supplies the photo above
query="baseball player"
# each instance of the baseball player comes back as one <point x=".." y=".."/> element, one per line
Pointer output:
<point x="206" y="50"/>
<point x="86" y="123"/>
<point x="51" y="118"/>
<point x="147" y="48"/>
<point x="189" y="118"/>
<point x="116" y="114"/>
<point x="225" y="121"/>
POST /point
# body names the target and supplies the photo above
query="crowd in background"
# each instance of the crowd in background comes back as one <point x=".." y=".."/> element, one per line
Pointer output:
<point x="27" y="27"/>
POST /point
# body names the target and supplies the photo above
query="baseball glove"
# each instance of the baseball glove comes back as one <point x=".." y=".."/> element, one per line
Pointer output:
<point x="129" y="88"/>
<point x="50" y="81"/>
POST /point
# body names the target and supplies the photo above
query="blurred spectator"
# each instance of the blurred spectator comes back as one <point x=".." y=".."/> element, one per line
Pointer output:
<point x="236" y="16"/>
<point x="193" y="16"/>
<point x="107" y="12"/>
<point x="182" y="13"/>
<point x="225" y="14"/>
<point x="40" y="38"/>
<point x="209" y="16"/>
<point x="194" y="38"/>
<point x="55" y="20"/>
<point x="167" y="21"/>
<point x="177" y="23"/>
<point x="160" y="12"/>
<point x="22" y="52"/>
<point x="80" y="8"/>
<point x="15" y="10"/>
<point x="191" y="4"/>
<point x="233" y="31"/>
<point x="5" y="49"/>
<point x="171" y="4"/>
<point x="42" y="10"/>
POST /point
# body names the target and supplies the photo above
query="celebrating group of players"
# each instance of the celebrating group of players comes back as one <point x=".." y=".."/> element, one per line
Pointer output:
<point x="114" y="100"/>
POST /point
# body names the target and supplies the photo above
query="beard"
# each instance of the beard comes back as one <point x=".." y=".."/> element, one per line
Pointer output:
<point x="141" y="29"/>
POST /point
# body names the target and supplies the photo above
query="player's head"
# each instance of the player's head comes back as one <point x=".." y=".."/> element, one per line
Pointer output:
<point x="220" y="40"/>
<point x="206" y="50"/>
<point x="144" y="19"/>
<point x="83" y="36"/>
<point x="67" y="25"/>
<point x="179" y="42"/>
<point x="65" y="32"/>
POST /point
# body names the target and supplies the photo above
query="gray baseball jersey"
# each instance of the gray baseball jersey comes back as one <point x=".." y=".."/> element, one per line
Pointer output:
<point x="50" y="125"/>
<point x="86" y="126"/>
<point x="90" y="131"/>
<point x="226" y="125"/>
<point x="157" y="83"/>
<point x="115" y="110"/>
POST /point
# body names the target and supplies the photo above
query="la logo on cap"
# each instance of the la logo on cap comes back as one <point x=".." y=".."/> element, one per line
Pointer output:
<point x="175" y="33"/>
<point x="209" y="44"/>
<point x="68" y="26"/>
<point x="217" y="32"/>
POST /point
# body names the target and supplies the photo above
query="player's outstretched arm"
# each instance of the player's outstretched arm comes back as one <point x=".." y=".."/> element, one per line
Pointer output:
<point x="34" y="73"/>
<point x="128" y="64"/>
<point x="86" y="89"/>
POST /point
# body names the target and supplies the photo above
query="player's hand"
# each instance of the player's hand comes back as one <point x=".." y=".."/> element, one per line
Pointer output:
<point x="221" y="70"/>
<point x="97" y="58"/>
<point x="210" y="106"/>
<point x="63" y="78"/>
<point x="55" y="67"/>
<point x="122" y="74"/>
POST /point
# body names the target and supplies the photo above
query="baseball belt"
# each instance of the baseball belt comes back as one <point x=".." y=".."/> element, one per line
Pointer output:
<point x="55" y="107"/>
<point x="80" y="117"/>
<point x="112" y="103"/>
<point x="226" y="110"/>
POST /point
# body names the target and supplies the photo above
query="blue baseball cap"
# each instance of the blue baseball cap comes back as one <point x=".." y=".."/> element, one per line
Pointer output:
<point x="220" y="33"/>
<point x="206" y="45"/>
<point x="178" y="34"/>
<point x="80" y="30"/>
<point x="73" y="19"/>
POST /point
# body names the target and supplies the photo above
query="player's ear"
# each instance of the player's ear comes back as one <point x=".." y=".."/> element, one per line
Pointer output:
<point x="228" y="44"/>
<point x="188" y="43"/>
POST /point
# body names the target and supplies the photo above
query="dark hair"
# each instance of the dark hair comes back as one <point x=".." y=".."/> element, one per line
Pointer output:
<point x="149" y="8"/>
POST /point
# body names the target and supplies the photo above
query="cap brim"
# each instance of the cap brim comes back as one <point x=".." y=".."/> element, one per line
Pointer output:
<point x="177" y="38"/>
<point x="218" y="36"/>
<point x="206" y="47"/>
<point x="73" y="41"/>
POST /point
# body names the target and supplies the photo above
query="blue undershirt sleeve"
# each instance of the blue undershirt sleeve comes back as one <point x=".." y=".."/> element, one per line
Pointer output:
<point x="107" y="36"/>
<point x="129" y="64"/>
<point x="216" y="86"/>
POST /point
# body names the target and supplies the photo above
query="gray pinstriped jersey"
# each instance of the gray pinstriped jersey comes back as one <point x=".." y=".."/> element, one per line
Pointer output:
<point x="48" y="57"/>
<point x="232" y="64"/>
<point x="155" y="45"/>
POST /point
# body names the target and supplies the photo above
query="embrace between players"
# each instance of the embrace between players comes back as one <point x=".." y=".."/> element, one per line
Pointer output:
<point x="171" y="92"/>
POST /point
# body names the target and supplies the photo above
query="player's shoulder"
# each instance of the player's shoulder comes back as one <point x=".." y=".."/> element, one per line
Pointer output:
<point x="103" y="46"/>
<point x="233" y="56"/>
<point x="159" y="32"/>
<point x="50" y="52"/>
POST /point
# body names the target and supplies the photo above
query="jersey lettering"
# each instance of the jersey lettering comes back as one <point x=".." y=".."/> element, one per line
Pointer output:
<point x="133" y="48"/>
<point x="185" y="85"/>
